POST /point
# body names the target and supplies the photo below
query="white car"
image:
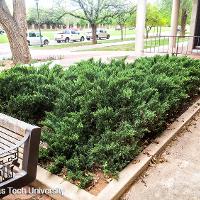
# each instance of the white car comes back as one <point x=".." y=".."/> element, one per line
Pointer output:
<point x="69" y="35"/>
<point x="101" y="34"/>
<point x="33" y="38"/>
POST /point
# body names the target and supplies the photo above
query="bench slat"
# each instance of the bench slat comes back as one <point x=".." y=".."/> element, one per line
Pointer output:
<point x="3" y="145"/>
<point x="13" y="124"/>
<point x="6" y="142"/>
<point x="8" y="137"/>
<point x="11" y="133"/>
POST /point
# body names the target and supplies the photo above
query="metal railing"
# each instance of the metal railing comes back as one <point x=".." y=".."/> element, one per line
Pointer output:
<point x="7" y="165"/>
<point x="19" y="147"/>
<point x="161" y="45"/>
<point x="10" y="157"/>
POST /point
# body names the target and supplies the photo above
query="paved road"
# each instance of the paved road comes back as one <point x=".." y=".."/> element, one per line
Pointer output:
<point x="6" y="53"/>
<point x="5" y="49"/>
<point x="69" y="56"/>
<point x="72" y="53"/>
<point x="179" y="177"/>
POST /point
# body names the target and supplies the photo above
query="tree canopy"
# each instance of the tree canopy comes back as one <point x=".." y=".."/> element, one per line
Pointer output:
<point x="185" y="12"/>
<point x="124" y="16"/>
<point x="47" y="16"/>
<point x="94" y="11"/>
<point x="154" y="18"/>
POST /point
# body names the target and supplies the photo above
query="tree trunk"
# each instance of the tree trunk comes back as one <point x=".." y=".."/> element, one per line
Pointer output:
<point x="16" y="27"/>
<point x="122" y="32"/>
<point x="94" y="33"/>
<point x="157" y="31"/>
<point x="147" y="33"/>
<point x="148" y="29"/>
<point x="183" y="22"/>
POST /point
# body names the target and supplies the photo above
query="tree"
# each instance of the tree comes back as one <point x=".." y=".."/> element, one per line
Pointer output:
<point x="95" y="12"/>
<point x="154" y="18"/>
<point x="47" y="16"/>
<point x="123" y="16"/>
<point x="15" y="27"/>
<point x="185" y="12"/>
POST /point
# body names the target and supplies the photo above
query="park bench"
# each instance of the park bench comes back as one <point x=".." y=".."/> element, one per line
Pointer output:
<point x="19" y="146"/>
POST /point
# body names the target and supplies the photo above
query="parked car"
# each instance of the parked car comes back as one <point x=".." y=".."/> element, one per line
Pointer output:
<point x="69" y="35"/>
<point x="117" y="28"/>
<point x="101" y="34"/>
<point x="179" y="29"/>
<point x="2" y="31"/>
<point x="33" y="38"/>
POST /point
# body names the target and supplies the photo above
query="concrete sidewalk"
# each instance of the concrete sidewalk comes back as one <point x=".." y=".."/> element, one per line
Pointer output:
<point x="105" y="56"/>
<point x="177" y="174"/>
<point x="59" y="53"/>
<point x="63" y="53"/>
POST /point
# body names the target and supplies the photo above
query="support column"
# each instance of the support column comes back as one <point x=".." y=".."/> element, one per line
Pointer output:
<point x="193" y="24"/>
<point x="140" y="27"/>
<point x="174" y="24"/>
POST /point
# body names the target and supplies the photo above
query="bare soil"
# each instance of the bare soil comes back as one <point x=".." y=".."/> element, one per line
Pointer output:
<point x="99" y="183"/>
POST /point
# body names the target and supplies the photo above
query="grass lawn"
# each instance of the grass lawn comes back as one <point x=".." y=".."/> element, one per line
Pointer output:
<point x="3" y="39"/>
<point x="77" y="44"/>
<point x="115" y="40"/>
<point x="131" y="47"/>
<point x="62" y="46"/>
<point x="114" y="32"/>
<point x="124" y="47"/>
<point x="50" y="33"/>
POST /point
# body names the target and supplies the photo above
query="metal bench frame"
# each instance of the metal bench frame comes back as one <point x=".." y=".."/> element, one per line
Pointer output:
<point x="30" y="142"/>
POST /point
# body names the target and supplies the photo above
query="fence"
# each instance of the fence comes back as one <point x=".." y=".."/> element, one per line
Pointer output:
<point x="161" y="45"/>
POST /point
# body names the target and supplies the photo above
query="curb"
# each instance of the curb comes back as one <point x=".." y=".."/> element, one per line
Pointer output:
<point x="46" y="180"/>
<point x="127" y="176"/>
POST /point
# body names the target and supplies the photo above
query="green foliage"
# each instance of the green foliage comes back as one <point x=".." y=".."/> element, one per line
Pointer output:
<point x="27" y="93"/>
<point x="166" y="9"/>
<point x="47" y="16"/>
<point x="154" y="18"/>
<point x="104" y="110"/>
<point x="97" y="113"/>
<point x="125" y="15"/>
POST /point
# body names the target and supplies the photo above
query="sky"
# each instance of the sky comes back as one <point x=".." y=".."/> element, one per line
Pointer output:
<point x="48" y="3"/>
<point x="43" y="3"/>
